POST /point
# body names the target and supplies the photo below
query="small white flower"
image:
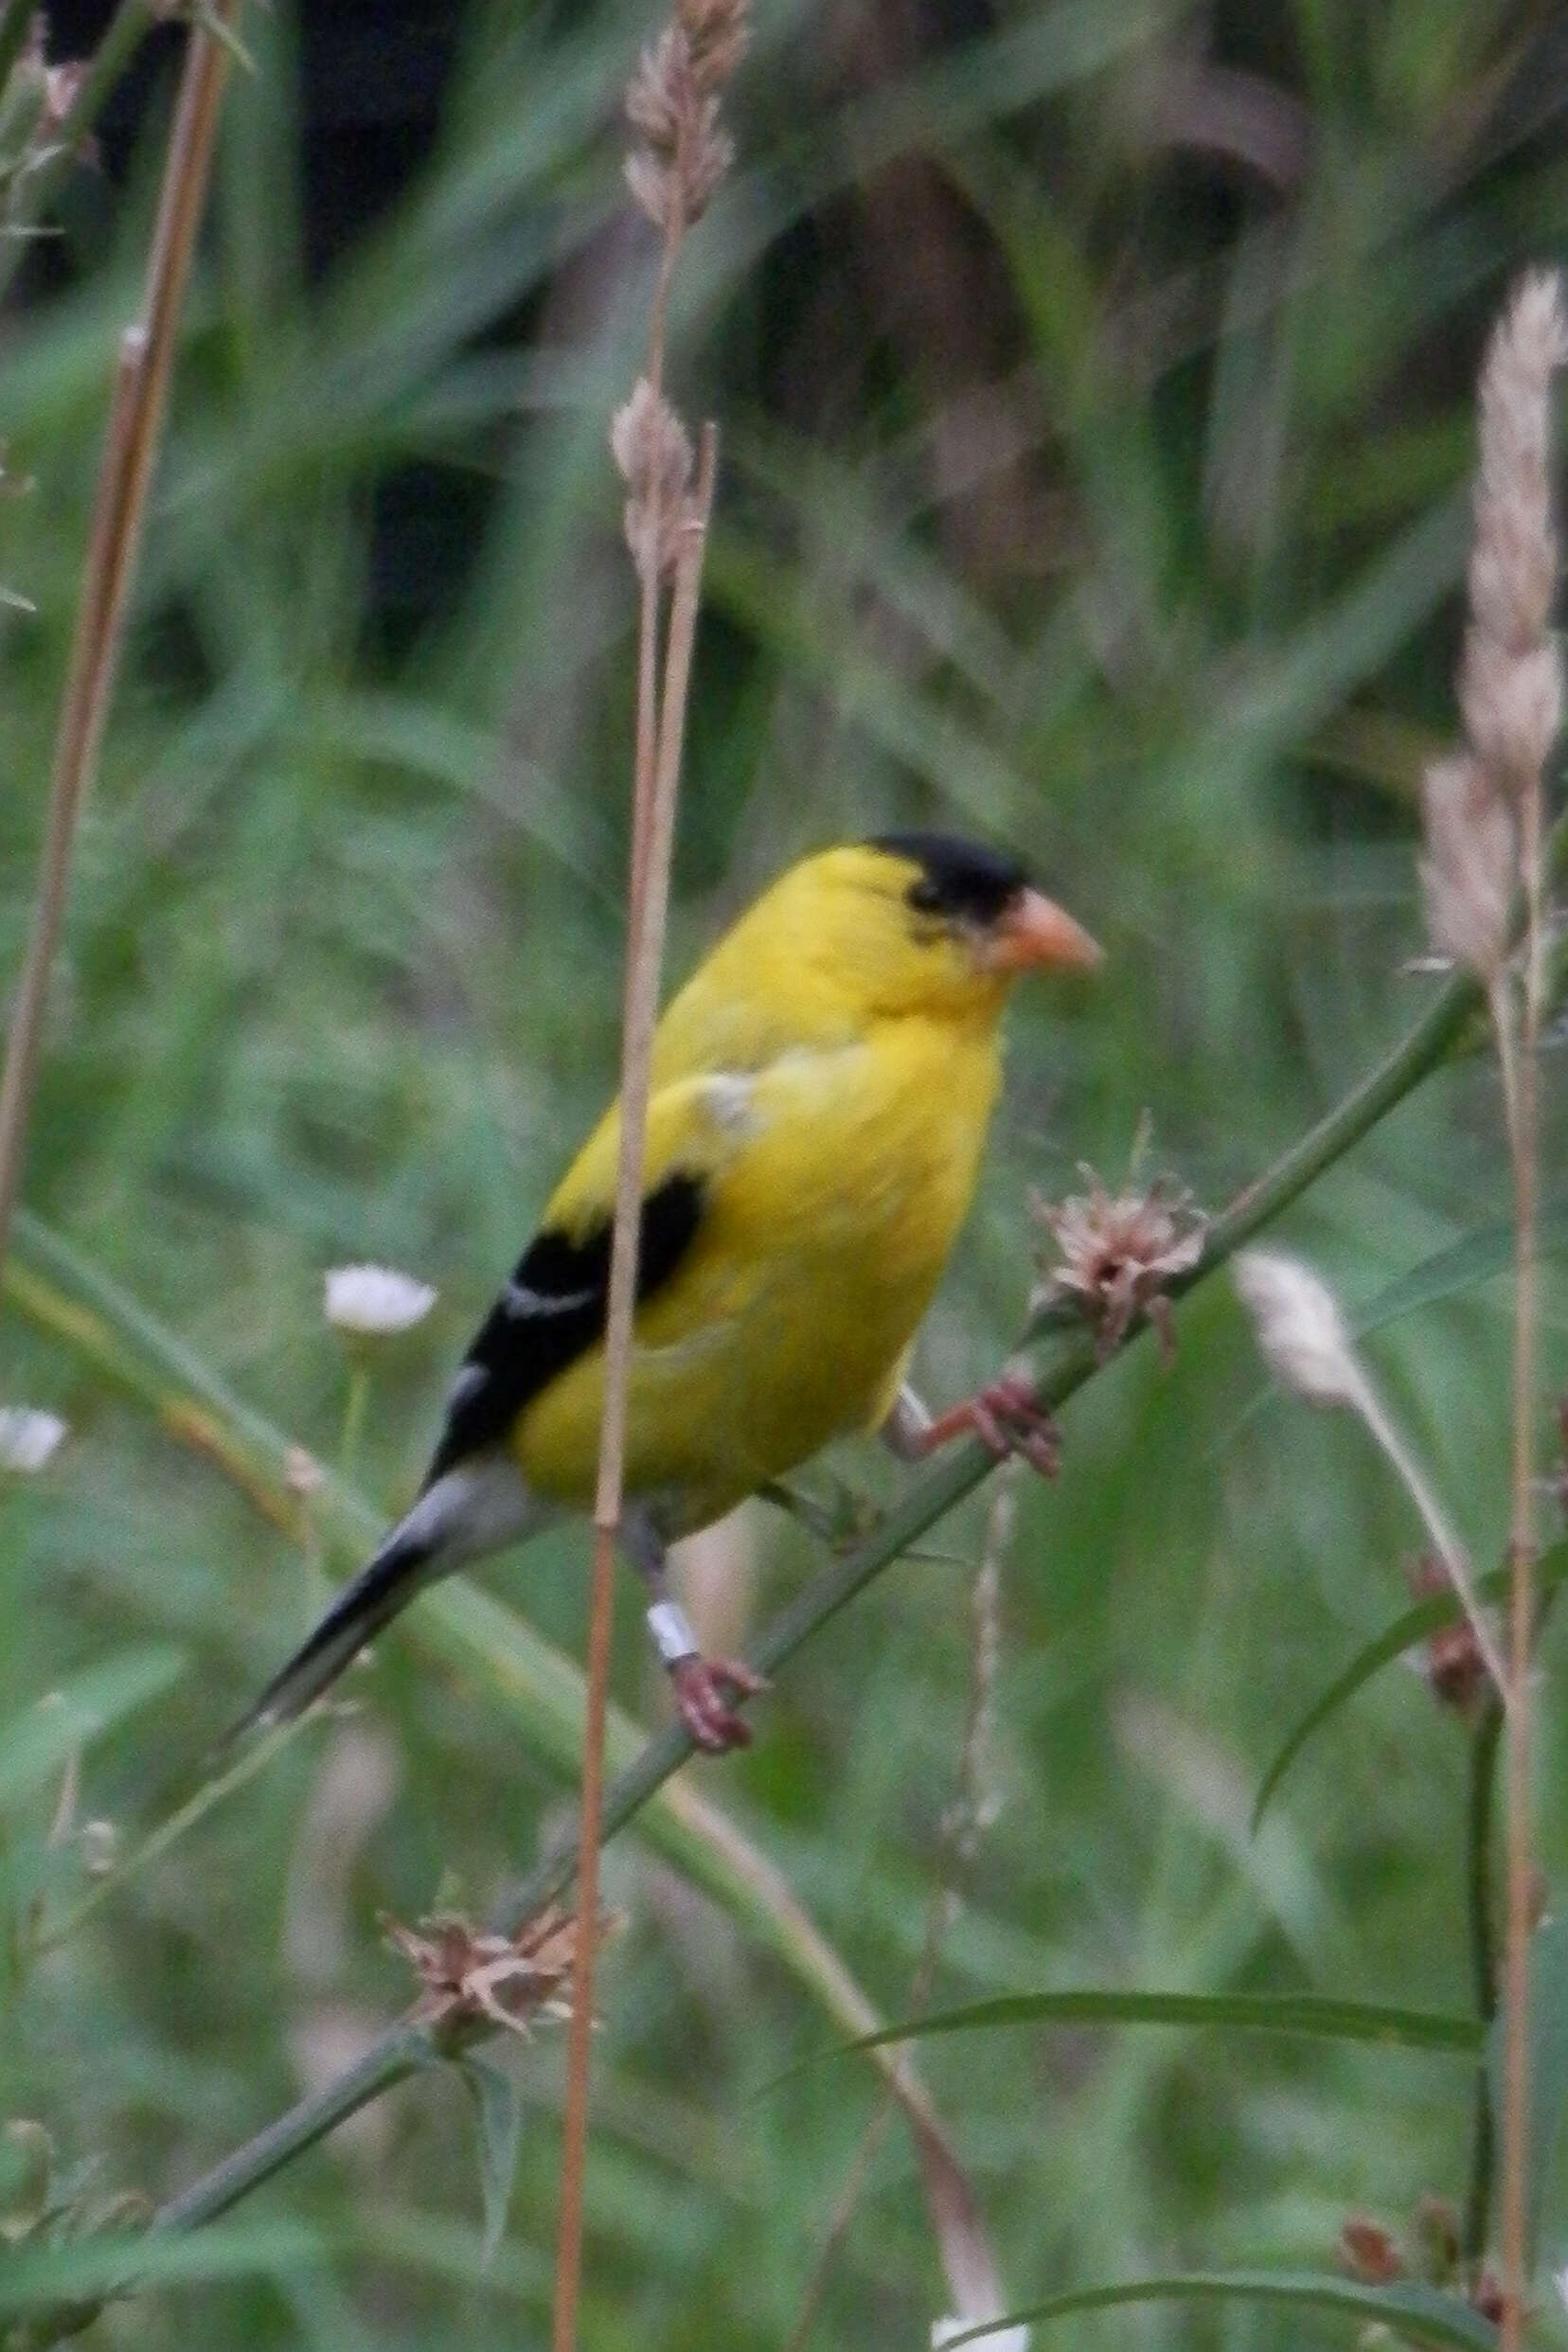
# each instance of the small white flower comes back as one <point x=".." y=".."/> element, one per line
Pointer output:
<point x="373" y="1302"/>
<point x="100" y="1842"/>
<point x="1001" y="2340"/>
<point x="28" y="1439"/>
<point x="1299" y="1327"/>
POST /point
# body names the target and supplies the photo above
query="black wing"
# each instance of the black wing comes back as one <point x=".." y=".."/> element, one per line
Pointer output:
<point x="551" y="1313"/>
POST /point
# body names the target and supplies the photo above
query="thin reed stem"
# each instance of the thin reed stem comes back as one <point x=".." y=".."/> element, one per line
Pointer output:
<point x="1521" y="1889"/>
<point x="136" y="417"/>
<point x="1479" y="1812"/>
<point x="648" y="618"/>
<point x="649" y="908"/>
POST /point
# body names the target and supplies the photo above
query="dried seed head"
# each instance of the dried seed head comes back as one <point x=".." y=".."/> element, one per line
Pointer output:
<point x="673" y="101"/>
<point x="653" y="452"/>
<point x="1514" y="562"/>
<point x="1451" y="1662"/>
<point x="1512" y="706"/>
<point x="1369" y="2251"/>
<point x="1117" y="1251"/>
<point x="1470" y="866"/>
<point x="719" y="35"/>
<point x="1510" y="685"/>
<point x="469" y="1975"/>
<point x="1299" y="1327"/>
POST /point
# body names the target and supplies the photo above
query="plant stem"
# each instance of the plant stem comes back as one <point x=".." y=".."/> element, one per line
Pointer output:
<point x="1521" y="1890"/>
<point x="1478" y="1895"/>
<point x="135" y="416"/>
<point x="355" y="1406"/>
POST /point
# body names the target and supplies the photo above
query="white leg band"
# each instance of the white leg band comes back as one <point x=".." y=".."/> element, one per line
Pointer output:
<point x="673" y="1636"/>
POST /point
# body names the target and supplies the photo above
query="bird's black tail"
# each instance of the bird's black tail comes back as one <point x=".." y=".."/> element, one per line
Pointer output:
<point x="403" y="1564"/>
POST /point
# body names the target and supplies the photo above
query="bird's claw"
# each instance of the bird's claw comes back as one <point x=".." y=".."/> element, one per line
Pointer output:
<point x="702" y="1688"/>
<point x="1007" y="1418"/>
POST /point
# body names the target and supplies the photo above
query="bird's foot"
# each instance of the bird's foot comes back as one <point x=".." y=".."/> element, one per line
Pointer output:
<point x="704" y="1688"/>
<point x="1007" y="1416"/>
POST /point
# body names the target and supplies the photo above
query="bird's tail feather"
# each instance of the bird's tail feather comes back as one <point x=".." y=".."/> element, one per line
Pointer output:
<point x="406" y="1563"/>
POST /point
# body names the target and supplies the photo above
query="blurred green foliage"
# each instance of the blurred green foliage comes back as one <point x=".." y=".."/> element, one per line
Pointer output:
<point x="1094" y="387"/>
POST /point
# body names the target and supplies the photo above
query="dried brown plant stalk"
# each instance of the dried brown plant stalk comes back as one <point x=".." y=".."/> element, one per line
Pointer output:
<point x="141" y="386"/>
<point x="673" y="101"/>
<point x="1484" y="809"/>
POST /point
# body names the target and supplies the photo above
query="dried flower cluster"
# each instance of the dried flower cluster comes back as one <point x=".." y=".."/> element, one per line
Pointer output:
<point x="470" y="1976"/>
<point x="673" y="101"/>
<point x="1117" y="1252"/>
<point x="1478" y="801"/>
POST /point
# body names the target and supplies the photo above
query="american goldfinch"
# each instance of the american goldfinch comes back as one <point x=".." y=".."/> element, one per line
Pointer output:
<point x="821" y="1091"/>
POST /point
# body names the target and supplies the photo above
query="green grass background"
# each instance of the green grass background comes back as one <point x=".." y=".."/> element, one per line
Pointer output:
<point x="1096" y="391"/>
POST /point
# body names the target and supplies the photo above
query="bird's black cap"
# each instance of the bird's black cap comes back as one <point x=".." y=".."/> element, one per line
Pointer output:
<point x="956" y="878"/>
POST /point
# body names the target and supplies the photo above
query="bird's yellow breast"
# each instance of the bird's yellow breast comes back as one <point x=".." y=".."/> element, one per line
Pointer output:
<point x="835" y="1180"/>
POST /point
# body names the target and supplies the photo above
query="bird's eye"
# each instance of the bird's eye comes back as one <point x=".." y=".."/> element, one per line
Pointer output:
<point x="925" y="896"/>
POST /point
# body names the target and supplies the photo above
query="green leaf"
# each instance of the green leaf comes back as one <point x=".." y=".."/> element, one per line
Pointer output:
<point x="36" y="1745"/>
<point x="498" y="2114"/>
<point x="1312" y="2014"/>
<point x="112" y="2261"/>
<point x="1420" y="2313"/>
<point x="1426" y="1618"/>
<point x="1546" y="2027"/>
<point x="1481" y="1257"/>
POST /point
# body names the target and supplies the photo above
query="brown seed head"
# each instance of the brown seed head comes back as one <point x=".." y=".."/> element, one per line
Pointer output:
<point x="1117" y="1251"/>
<point x="673" y="100"/>
<point x="1369" y="2253"/>
<point x="653" y="452"/>
<point x="1510" y="685"/>
<point x="719" y="35"/>
<point x="1449" y="1660"/>
<point x="469" y="1975"/>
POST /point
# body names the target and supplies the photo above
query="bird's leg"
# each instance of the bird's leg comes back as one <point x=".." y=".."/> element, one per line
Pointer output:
<point x="1006" y="1415"/>
<point x="704" y="1688"/>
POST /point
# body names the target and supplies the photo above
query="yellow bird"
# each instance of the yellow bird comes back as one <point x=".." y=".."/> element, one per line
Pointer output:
<point x="822" y="1087"/>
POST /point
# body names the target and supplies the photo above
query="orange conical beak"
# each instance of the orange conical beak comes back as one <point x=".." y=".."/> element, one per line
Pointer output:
<point x="1035" y="931"/>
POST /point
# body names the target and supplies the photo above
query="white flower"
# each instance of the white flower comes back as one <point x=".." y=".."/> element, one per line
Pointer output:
<point x="1299" y="1327"/>
<point x="28" y="1439"/>
<point x="372" y="1302"/>
<point x="100" y="1841"/>
<point x="1000" y="2340"/>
